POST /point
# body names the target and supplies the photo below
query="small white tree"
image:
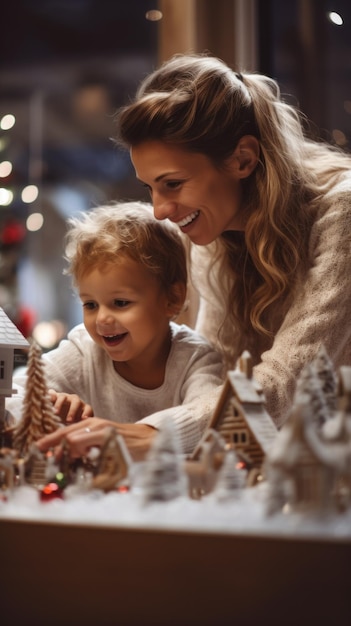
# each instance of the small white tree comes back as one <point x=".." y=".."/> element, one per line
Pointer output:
<point x="164" y="477"/>
<point x="309" y="388"/>
<point x="231" y="479"/>
<point x="328" y="378"/>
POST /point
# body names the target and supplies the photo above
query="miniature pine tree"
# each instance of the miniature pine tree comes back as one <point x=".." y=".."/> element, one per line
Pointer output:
<point x="328" y="378"/>
<point x="276" y="496"/>
<point x="164" y="475"/>
<point x="38" y="417"/>
<point x="309" y="386"/>
<point x="231" y="479"/>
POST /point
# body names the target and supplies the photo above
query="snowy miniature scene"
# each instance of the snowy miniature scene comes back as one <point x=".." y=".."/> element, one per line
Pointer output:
<point x="244" y="476"/>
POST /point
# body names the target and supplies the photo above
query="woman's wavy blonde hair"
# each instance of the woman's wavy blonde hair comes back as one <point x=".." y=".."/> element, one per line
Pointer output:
<point x="198" y="102"/>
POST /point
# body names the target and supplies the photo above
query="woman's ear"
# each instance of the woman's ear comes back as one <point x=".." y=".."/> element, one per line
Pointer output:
<point x="245" y="156"/>
<point x="176" y="298"/>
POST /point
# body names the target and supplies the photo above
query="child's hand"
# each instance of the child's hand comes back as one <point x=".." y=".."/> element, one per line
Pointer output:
<point x="84" y="435"/>
<point x="70" y="407"/>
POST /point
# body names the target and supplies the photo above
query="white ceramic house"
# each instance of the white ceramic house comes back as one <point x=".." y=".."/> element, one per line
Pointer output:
<point x="10" y="340"/>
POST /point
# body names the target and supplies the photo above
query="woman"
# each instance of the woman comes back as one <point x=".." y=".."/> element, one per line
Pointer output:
<point x="267" y="209"/>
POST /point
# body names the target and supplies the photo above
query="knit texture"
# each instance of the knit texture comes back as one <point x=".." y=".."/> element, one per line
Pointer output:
<point x="320" y="313"/>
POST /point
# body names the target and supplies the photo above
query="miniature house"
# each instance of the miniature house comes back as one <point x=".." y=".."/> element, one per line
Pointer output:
<point x="202" y="469"/>
<point x="10" y="340"/>
<point x="308" y="465"/>
<point x="240" y="416"/>
<point x="114" y="463"/>
<point x="344" y="389"/>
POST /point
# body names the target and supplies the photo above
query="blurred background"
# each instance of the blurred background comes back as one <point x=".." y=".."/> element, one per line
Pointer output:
<point x="67" y="65"/>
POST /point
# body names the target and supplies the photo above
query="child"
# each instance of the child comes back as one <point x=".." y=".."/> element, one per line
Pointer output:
<point x="129" y="362"/>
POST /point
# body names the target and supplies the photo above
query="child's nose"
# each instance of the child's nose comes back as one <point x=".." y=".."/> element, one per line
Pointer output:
<point x="104" y="315"/>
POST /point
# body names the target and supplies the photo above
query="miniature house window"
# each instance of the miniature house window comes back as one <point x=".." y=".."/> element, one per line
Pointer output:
<point x="241" y="436"/>
<point x="2" y="370"/>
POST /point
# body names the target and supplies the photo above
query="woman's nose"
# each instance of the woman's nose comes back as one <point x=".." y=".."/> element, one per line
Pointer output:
<point x="162" y="208"/>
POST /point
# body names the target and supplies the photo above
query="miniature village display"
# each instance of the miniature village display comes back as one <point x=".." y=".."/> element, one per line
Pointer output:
<point x="304" y="467"/>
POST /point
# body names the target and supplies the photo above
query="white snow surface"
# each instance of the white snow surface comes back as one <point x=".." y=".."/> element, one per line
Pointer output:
<point x="244" y="514"/>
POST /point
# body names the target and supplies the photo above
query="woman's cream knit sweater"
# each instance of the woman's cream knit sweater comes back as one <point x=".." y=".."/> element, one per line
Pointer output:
<point x="320" y="313"/>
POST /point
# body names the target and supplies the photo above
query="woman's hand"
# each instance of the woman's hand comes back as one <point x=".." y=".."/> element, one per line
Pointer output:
<point x="83" y="435"/>
<point x="69" y="406"/>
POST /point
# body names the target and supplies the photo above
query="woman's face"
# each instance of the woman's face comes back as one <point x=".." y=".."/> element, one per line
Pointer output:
<point x="189" y="190"/>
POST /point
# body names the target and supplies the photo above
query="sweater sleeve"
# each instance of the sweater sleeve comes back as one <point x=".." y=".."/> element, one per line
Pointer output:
<point x="319" y="315"/>
<point x="201" y="382"/>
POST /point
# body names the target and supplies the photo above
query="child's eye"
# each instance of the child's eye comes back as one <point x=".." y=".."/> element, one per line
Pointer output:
<point x="121" y="304"/>
<point x="89" y="305"/>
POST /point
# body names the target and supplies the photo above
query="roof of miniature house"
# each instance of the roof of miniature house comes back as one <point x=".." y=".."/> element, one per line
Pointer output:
<point x="10" y="336"/>
<point x="299" y="437"/>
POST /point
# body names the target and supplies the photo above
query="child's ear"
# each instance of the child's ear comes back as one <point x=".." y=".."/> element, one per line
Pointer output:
<point x="176" y="298"/>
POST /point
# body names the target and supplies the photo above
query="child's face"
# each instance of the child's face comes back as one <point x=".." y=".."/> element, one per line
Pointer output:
<point x="126" y="312"/>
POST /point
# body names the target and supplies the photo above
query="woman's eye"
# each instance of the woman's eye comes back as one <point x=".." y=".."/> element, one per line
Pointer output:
<point x="121" y="304"/>
<point x="148" y="188"/>
<point x="173" y="184"/>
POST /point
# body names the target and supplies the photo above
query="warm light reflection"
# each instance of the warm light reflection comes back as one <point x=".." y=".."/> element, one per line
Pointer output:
<point x="30" y="193"/>
<point x="34" y="222"/>
<point x="6" y="196"/>
<point x="49" y="334"/>
<point x="153" y="15"/>
<point x="335" y="18"/>
<point x="3" y="143"/>
<point x="7" y="121"/>
<point x="5" y="169"/>
<point x="339" y="137"/>
<point x="347" y="106"/>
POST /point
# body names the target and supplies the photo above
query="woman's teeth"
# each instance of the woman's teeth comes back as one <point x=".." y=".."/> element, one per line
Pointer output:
<point x="188" y="219"/>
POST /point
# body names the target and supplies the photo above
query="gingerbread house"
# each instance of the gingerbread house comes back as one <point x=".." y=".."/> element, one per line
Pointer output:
<point x="240" y="416"/>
